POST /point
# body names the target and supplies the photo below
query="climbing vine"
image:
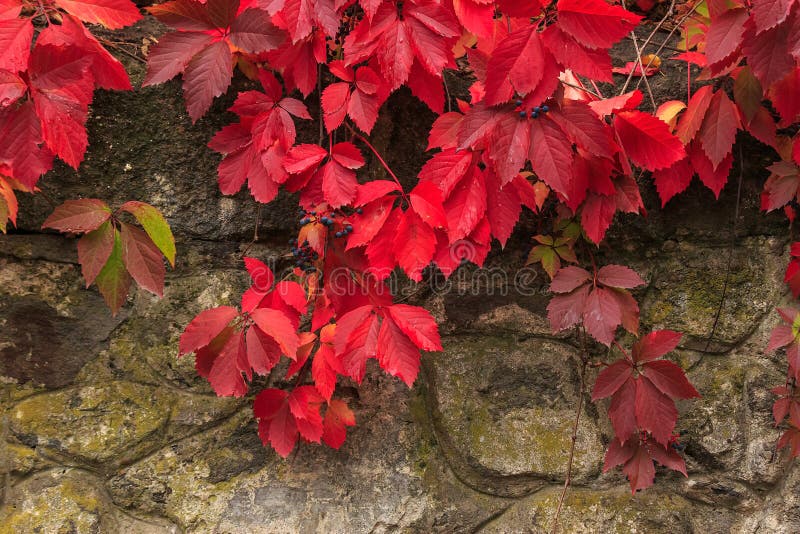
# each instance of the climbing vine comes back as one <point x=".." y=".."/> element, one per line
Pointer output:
<point x="545" y="126"/>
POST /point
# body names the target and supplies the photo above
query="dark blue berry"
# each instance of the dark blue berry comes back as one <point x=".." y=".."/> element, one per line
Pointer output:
<point x="523" y="114"/>
<point x="349" y="228"/>
<point x="545" y="108"/>
<point x="534" y="114"/>
<point x="312" y="212"/>
<point x="338" y="234"/>
<point x="537" y="109"/>
<point x="519" y="102"/>
<point x="332" y="216"/>
<point x="359" y="211"/>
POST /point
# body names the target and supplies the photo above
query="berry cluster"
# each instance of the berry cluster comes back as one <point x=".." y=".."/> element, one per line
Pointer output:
<point x="304" y="255"/>
<point x="534" y="114"/>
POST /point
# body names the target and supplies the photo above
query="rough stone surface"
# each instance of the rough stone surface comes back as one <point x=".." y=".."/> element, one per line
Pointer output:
<point x="104" y="429"/>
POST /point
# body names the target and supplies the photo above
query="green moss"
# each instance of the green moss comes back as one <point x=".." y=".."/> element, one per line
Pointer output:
<point x="93" y="422"/>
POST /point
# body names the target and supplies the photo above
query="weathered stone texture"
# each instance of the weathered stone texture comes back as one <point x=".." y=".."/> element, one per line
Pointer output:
<point x="106" y="430"/>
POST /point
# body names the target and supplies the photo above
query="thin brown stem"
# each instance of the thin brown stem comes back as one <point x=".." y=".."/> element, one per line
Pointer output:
<point x="647" y="42"/>
<point x="377" y="155"/>
<point x="643" y="71"/>
<point x="584" y="89"/>
<point x="669" y="36"/>
<point x="574" y="438"/>
<point x="115" y="46"/>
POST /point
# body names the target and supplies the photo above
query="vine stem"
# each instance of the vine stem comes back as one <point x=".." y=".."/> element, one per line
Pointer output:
<point x="574" y="438"/>
<point x="669" y="36"/>
<point x="644" y="72"/>
<point x="728" y="267"/>
<point x="380" y="158"/>
<point x="647" y="42"/>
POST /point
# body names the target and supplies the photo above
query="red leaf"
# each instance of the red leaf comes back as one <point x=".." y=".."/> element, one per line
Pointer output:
<point x="225" y="375"/>
<point x="670" y="379"/>
<point x="335" y="98"/>
<point x="276" y="424"/>
<point x="594" y="64"/>
<point x="205" y="327"/>
<point x="62" y="89"/>
<point x="112" y="14"/>
<point x="369" y="222"/>
<point x="108" y="72"/>
<point x="75" y="216"/>
<point x="655" y="412"/>
<point x="446" y="169"/>
<point x="323" y="370"/>
<point x="595" y="23"/>
<point x="426" y="200"/>
<point x="768" y="53"/>
<point x="253" y="32"/>
<point x="339" y="184"/>
<point x="303" y="157"/>
<point x="142" y="259"/>
<point x="619" y="276"/>
<point x="550" y="154"/>
<point x="397" y="354"/>
<point x="597" y="215"/>
<point x="466" y="205"/>
<point x="647" y="140"/>
<point x="714" y="179"/>
<point x="602" y="315"/>
<point x="186" y="15"/>
<point x="207" y="76"/>
<point x="337" y="418"/>
<point x="781" y="336"/>
<point x="619" y="454"/>
<point x="785" y="96"/>
<point x="769" y="13"/>
<point x="718" y="131"/>
<point x="666" y="456"/>
<point x="418" y="324"/>
<point x="655" y="345"/>
<point x="725" y="35"/>
<point x="569" y="278"/>
<point x="276" y="325"/>
<point x="584" y="128"/>
<point x="304" y="404"/>
<point x="503" y="207"/>
<point x="21" y="147"/>
<point x="12" y="88"/>
<point x="94" y="249"/>
<point x="15" y="44"/>
<point x="509" y="145"/>
<point x="170" y="56"/>
<point x="611" y="379"/>
<point x="262" y="351"/>
<point x="416" y="243"/>
<point x="640" y="470"/>
<point x="347" y="155"/>
<point x="622" y="412"/>
<point x="692" y="118"/>
<point x="516" y="65"/>
<point x="673" y="180"/>
<point x="565" y="311"/>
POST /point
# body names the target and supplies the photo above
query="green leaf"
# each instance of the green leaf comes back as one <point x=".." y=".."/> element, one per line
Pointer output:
<point x="155" y="225"/>
<point x="94" y="249"/>
<point x="113" y="281"/>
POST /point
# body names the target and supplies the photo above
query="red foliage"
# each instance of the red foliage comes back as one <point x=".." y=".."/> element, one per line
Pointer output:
<point x="536" y="133"/>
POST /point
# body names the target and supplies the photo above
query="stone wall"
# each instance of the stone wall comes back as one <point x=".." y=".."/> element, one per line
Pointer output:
<point x="105" y="430"/>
